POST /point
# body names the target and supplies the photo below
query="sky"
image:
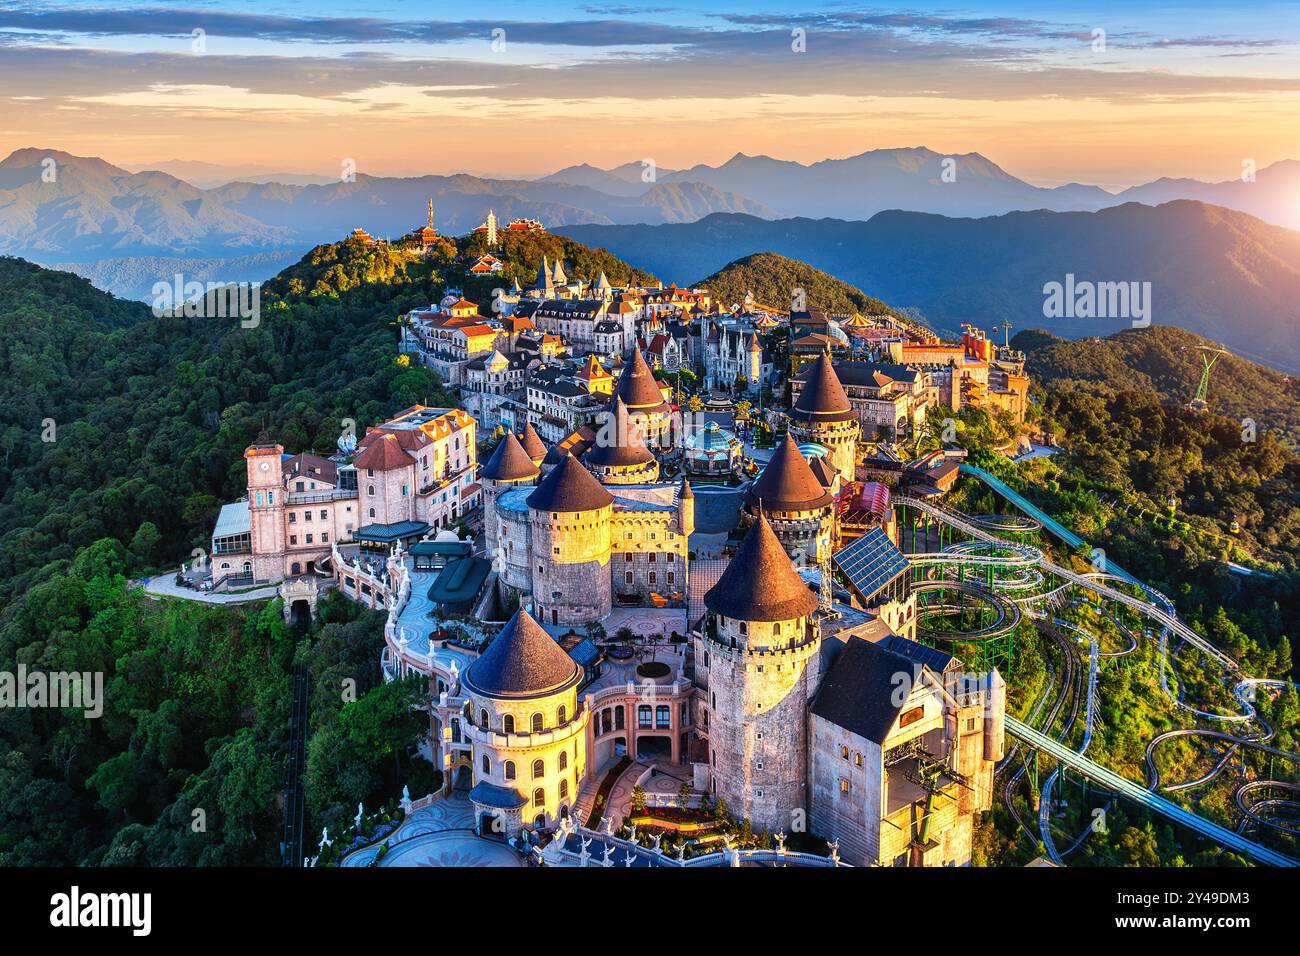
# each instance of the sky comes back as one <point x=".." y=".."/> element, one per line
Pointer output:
<point x="1109" y="93"/>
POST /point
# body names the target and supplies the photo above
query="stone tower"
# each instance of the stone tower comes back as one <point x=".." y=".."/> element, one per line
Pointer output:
<point x="645" y="403"/>
<point x="569" y="518"/>
<point x="618" y="456"/>
<point x="527" y="729"/>
<point x="508" y="468"/>
<point x="266" y="510"/>
<point x="799" y="507"/>
<point x="757" y="660"/>
<point x="823" y="415"/>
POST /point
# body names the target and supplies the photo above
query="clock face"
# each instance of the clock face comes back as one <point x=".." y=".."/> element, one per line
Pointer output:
<point x="266" y="465"/>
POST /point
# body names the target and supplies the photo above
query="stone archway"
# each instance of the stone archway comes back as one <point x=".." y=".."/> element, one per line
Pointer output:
<point x="300" y="596"/>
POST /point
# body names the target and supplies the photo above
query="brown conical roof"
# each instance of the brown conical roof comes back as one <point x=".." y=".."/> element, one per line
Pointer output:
<point x="618" y="441"/>
<point x="787" y="483"/>
<point x="522" y="661"/>
<point x="569" y="487"/>
<point x="532" y="443"/>
<point x="760" y="583"/>
<point x="637" y="386"/>
<point x="822" y="398"/>
<point x="509" y="462"/>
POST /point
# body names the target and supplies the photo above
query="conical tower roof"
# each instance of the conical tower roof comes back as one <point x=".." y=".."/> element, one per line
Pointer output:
<point x="532" y="443"/>
<point x="618" y="442"/>
<point x="787" y="483"/>
<point x="569" y="487"/>
<point x="522" y="661"/>
<point x="560" y="277"/>
<point x="509" y="462"/>
<point x="637" y="386"/>
<point x="602" y="282"/>
<point x="822" y="398"/>
<point x="544" y="274"/>
<point x="760" y="583"/>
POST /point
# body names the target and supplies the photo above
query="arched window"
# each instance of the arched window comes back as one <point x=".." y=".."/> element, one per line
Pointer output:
<point x="744" y="628"/>
<point x="776" y="628"/>
<point x="618" y="717"/>
<point x="510" y="770"/>
<point x="508" y="724"/>
<point x="539" y="797"/>
<point x="487" y="765"/>
<point x="564" y="789"/>
<point x="483" y="719"/>
<point x="537" y="723"/>
<point x="559" y="715"/>
<point x="539" y="768"/>
<point x="564" y="760"/>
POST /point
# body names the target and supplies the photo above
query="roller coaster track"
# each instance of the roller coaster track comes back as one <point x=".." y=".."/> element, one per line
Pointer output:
<point x="1157" y="608"/>
<point x="1140" y="795"/>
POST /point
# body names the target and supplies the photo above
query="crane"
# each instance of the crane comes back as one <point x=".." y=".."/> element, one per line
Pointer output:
<point x="1208" y="358"/>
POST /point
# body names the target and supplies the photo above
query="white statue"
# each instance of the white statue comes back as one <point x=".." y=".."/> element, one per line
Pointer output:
<point x="609" y="826"/>
<point x="630" y="857"/>
<point x="406" y="797"/>
<point x="780" y="841"/>
<point x="834" y="846"/>
<point x="609" y="855"/>
<point x="734" y="854"/>
<point x="654" y="842"/>
<point x="324" y="838"/>
<point x="360" y="812"/>
<point x="681" y="852"/>
<point x="583" y="855"/>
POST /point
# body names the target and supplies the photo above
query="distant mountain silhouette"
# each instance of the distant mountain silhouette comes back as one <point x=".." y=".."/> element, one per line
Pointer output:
<point x="1213" y="271"/>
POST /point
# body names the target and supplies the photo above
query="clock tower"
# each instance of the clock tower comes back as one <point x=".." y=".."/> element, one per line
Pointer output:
<point x="266" y="496"/>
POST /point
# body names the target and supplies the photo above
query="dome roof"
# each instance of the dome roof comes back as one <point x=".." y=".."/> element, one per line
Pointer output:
<point x="712" y="437"/>
<point x="787" y="483"/>
<point x="569" y="487"/>
<point x="522" y="661"/>
<point x="822" y="398"/>
<point x="638" y="388"/>
<point x="760" y="582"/>
<point x="509" y="462"/>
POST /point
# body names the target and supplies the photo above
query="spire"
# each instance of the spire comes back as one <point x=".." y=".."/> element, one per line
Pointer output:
<point x="560" y="277"/>
<point x="569" y="488"/>
<point x="532" y="443"/>
<point x="430" y="212"/>
<point x="760" y="583"/>
<point x="637" y="386"/>
<point x="618" y="443"/>
<point x="509" y="462"/>
<point x="544" y="275"/>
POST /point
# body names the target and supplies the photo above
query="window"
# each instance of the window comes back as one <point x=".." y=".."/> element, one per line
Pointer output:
<point x="508" y="724"/>
<point x="857" y="759"/>
<point x="643" y="715"/>
<point x="293" y="539"/>
<point x="537" y="723"/>
<point x="370" y="490"/>
<point x="652" y="577"/>
<point x="539" y="768"/>
<point x="844" y="785"/>
<point x="510" y="770"/>
<point x="487" y="765"/>
<point x="560" y="715"/>
<point x="663" y="716"/>
<point x="910" y="716"/>
<point x="844" y="752"/>
<point x="564" y="760"/>
<point x="618" y="717"/>
<point x="483" y="719"/>
<point x="776" y="628"/>
<point x="628" y="576"/>
<point x="323" y="514"/>
<point x="564" y="789"/>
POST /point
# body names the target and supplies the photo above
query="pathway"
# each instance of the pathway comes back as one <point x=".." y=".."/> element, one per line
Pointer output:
<point x="164" y="585"/>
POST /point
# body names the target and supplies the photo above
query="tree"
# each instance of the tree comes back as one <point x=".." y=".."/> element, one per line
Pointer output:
<point x="638" y="799"/>
<point x="144" y="544"/>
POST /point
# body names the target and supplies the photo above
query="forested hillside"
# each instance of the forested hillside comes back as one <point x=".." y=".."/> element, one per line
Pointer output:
<point x="1166" y="361"/>
<point x="773" y="278"/>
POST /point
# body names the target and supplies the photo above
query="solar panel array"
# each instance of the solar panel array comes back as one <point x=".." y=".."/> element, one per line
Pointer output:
<point x="870" y="562"/>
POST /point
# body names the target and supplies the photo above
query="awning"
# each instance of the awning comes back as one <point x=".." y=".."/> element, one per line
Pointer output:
<point x="388" y="533"/>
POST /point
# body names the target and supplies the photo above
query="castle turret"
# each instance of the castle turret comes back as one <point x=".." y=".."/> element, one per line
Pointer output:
<point x="569" y="516"/>
<point x="618" y="456"/>
<point x="685" y="509"/>
<point x="527" y="729"/>
<point x="533" y="444"/>
<point x="757" y="662"/>
<point x="824" y="415"/>
<point x="508" y="467"/>
<point x="645" y="403"/>
<point x="797" y="504"/>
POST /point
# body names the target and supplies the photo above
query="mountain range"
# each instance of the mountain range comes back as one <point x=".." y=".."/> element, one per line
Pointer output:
<point x="1222" y="274"/>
